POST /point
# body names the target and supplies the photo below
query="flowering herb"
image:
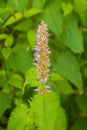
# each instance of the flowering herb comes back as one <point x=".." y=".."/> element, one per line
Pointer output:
<point x="42" y="57"/>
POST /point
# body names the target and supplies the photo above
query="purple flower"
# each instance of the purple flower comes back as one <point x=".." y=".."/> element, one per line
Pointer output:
<point x="42" y="53"/>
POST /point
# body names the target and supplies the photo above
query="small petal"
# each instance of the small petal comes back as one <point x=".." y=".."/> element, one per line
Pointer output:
<point x="48" y="86"/>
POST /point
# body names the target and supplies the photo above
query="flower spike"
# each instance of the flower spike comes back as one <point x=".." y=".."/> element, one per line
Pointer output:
<point x="42" y="53"/>
<point x="42" y="61"/>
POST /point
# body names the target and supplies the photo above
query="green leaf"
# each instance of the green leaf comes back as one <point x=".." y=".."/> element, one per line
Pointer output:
<point x="17" y="16"/>
<point x="53" y="17"/>
<point x="1" y="20"/>
<point x="55" y="76"/>
<point x="63" y="87"/>
<point x="80" y="5"/>
<point x="85" y="72"/>
<point x="6" y="88"/>
<point x="80" y="124"/>
<point x="81" y="8"/>
<point x="16" y="81"/>
<point x="31" y="35"/>
<point x="6" y="52"/>
<point x="72" y="35"/>
<point x="31" y="12"/>
<point x="38" y="3"/>
<point x="5" y="13"/>
<point x="82" y="103"/>
<point x="2" y="10"/>
<point x="20" y="59"/>
<point x="44" y="108"/>
<point x="5" y="102"/>
<point x="18" y="5"/>
<point x="67" y="66"/>
<point x="60" y="123"/>
<point x="59" y="84"/>
<point x="9" y="41"/>
<point x="19" y="118"/>
<point x="2" y="78"/>
<point x="67" y="8"/>
<point x="23" y="26"/>
<point x="83" y="16"/>
<point x="3" y="36"/>
<point x="31" y="78"/>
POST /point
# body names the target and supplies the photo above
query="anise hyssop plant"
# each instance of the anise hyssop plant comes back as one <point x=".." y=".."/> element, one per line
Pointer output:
<point x="45" y="112"/>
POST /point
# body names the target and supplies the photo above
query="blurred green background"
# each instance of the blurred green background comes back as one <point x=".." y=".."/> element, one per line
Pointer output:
<point x="67" y="23"/>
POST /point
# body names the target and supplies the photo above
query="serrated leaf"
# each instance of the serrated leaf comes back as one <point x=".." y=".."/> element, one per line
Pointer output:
<point x="16" y="81"/>
<point x="44" y="108"/>
<point x="53" y="17"/>
<point x="67" y="66"/>
<point x="67" y="8"/>
<point x="60" y="123"/>
<point x="72" y="35"/>
<point x="31" y="78"/>
<point x="5" y="102"/>
<point x="18" y="119"/>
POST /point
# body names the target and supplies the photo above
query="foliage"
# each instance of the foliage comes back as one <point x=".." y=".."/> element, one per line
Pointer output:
<point x="20" y="106"/>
